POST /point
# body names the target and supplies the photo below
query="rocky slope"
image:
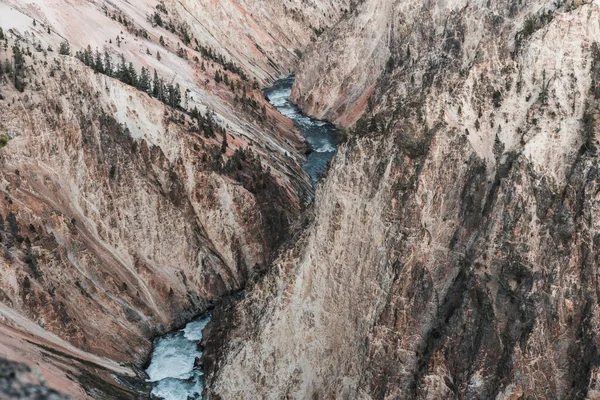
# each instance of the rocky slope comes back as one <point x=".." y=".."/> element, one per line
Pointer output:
<point x="124" y="213"/>
<point x="454" y="247"/>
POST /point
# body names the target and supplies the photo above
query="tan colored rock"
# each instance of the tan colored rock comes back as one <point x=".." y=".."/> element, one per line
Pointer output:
<point x="453" y="249"/>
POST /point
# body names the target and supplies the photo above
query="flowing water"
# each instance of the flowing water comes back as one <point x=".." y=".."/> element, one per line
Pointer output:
<point x="320" y="135"/>
<point x="172" y="369"/>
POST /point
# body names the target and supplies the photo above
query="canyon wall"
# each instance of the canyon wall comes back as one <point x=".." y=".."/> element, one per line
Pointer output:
<point x="125" y="212"/>
<point x="453" y="251"/>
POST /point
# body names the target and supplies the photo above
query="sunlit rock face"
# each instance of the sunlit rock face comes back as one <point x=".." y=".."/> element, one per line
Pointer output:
<point x="453" y="251"/>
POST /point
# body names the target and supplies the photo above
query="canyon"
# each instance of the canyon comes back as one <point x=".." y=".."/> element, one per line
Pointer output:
<point x="450" y="251"/>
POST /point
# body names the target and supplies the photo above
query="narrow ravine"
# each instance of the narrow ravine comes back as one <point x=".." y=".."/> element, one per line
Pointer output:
<point x="175" y="369"/>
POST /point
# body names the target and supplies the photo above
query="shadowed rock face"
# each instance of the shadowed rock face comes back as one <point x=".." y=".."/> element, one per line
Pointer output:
<point x="453" y="251"/>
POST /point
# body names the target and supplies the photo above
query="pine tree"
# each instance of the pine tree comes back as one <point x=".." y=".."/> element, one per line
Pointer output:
<point x="161" y="90"/>
<point x="132" y="75"/>
<point x="98" y="62"/>
<point x="177" y="96"/>
<point x="155" y="85"/>
<point x="195" y="114"/>
<point x="64" y="49"/>
<point x="122" y="72"/>
<point x="19" y="68"/>
<point x="87" y="56"/>
<point x="170" y="94"/>
<point x="158" y="55"/>
<point x="217" y="77"/>
<point x="144" y="80"/>
<point x="224" y="144"/>
<point x="108" y="68"/>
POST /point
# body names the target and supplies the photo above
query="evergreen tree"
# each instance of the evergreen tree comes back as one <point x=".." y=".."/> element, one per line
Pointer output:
<point x="108" y="68"/>
<point x="217" y="77"/>
<point x="65" y="48"/>
<point x="144" y="80"/>
<point x="155" y="85"/>
<point x="170" y="94"/>
<point x="224" y="144"/>
<point x="161" y="90"/>
<point x="87" y="56"/>
<point x="158" y="55"/>
<point x="195" y="114"/>
<point x="122" y="72"/>
<point x="177" y="96"/>
<point x="98" y="67"/>
<point x="19" y="68"/>
<point x="131" y="75"/>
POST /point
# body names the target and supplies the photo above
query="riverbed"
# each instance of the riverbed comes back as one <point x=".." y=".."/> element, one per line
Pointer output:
<point x="173" y="370"/>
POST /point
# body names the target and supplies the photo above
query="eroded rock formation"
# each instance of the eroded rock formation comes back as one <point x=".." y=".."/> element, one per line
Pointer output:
<point x="454" y="247"/>
<point x="126" y="208"/>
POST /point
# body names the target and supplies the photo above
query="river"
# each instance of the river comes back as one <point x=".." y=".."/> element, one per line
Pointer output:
<point x="320" y="135"/>
<point x="172" y="370"/>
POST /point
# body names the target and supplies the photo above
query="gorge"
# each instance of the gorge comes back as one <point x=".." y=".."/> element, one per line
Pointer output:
<point x="174" y="364"/>
<point x="451" y="251"/>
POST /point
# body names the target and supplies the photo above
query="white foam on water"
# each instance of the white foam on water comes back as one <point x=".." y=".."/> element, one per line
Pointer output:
<point x="326" y="148"/>
<point x="171" y="366"/>
<point x="176" y="389"/>
<point x="320" y="136"/>
<point x="279" y="98"/>
<point x="193" y="330"/>
<point x="173" y="357"/>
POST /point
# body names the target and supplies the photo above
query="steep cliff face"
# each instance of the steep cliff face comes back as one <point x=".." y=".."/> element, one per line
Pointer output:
<point x="454" y="247"/>
<point x="124" y="209"/>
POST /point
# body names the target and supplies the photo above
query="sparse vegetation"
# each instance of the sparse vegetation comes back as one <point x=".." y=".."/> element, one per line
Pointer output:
<point x="170" y="93"/>
<point x="65" y="48"/>
<point x="3" y="140"/>
<point x="497" y="98"/>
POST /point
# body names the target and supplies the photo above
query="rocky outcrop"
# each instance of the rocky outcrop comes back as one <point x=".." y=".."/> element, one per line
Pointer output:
<point x="453" y="251"/>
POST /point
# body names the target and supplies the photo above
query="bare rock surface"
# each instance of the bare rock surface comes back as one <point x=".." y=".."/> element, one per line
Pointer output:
<point x="125" y="211"/>
<point x="453" y="251"/>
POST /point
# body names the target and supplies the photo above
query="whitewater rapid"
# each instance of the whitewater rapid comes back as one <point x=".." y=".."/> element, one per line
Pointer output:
<point x="172" y="371"/>
<point x="320" y="135"/>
